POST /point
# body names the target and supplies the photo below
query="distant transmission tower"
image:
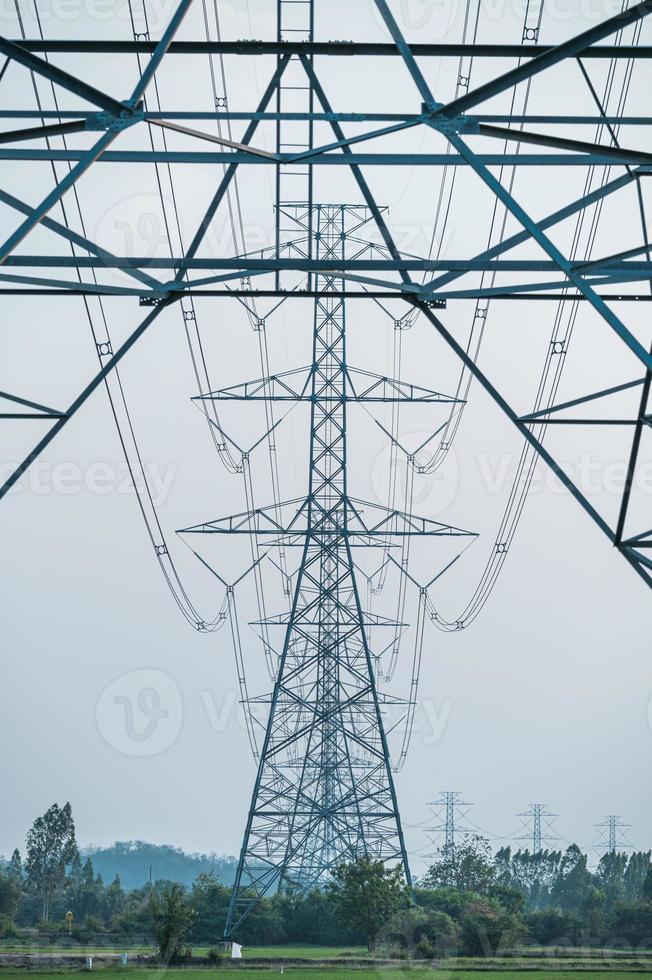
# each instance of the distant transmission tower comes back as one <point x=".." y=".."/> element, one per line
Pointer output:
<point x="536" y="821"/>
<point x="612" y="835"/>
<point x="449" y="811"/>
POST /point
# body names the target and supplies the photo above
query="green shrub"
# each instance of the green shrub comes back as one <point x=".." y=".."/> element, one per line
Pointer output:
<point x="214" y="956"/>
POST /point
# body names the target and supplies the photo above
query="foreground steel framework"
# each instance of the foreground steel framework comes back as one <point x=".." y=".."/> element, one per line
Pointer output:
<point x="324" y="790"/>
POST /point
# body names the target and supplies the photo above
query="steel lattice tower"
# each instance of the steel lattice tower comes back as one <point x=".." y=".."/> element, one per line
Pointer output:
<point x="324" y="791"/>
<point x="533" y="817"/>
<point x="449" y="810"/>
<point x="612" y="836"/>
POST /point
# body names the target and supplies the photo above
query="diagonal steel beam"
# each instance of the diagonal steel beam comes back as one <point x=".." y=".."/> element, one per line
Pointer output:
<point x="617" y="153"/>
<point x="81" y="399"/>
<point x="569" y="49"/>
<point x="160" y="51"/>
<point x="548" y="222"/>
<point x="551" y="249"/>
<point x="48" y="202"/>
<point x="355" y="169"/>
<point x="42" y="132"/>
<point x="519" y="74"/>
<point x="523" y="428"/>
<point x="361" y="138"/>
<point x="75" y="286"/>
<point x="29" y="404"/>
<point x="90" y="156"/>
<point x="77" y="239"/>
<point x="60" y="77"/>
<point x="405" y="52"/>
<point x="209" y="138"/>
<point x="231" y="170"/>
<point x="564" y="50"/>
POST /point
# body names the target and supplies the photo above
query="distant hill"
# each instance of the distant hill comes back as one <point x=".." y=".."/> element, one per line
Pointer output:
<point x="132" y="860"/>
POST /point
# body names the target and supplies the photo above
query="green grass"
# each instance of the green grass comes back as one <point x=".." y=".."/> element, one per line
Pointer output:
<point x="575" y="965"/>
<point x="306" y="952"/>
<point x="64" y="948"/>
<point x="341" y="973"/>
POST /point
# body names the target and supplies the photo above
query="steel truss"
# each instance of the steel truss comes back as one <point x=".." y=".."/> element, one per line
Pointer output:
<point x="324" y="792"/>
<point x="454" y="120"/>
<point x="324" y="789"/>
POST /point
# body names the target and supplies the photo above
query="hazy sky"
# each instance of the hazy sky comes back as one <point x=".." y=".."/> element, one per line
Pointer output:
<point x="109" y="699"/>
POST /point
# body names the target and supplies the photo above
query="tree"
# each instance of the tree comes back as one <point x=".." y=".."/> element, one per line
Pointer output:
<point x="365" y="894"/>
<point x="210" y="900"/>
<point x="15" y="869"/>
<point x="51" y="846"/>
<point x="610" y="876"/>
<point x="467" y="867"/>
<point x="9" y="896"/>
<point x="172" y="917"/>
<point x="593" y="913"/>
<point x="535" y="874"/>
<point x="114" y="900"/>
<point x="422" y="933"/>
<point x="552" y="927"/>
<point x="486" y="929"/>
<point x="311" y="918"/>
<point x="632" y="921"/>
<point x="646" y="892"/>
<point x="636" y="873"/>
<point x="574" y="881"/>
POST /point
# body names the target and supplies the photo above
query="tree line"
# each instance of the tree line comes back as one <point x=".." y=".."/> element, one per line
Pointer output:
<point x="469" y="902"/>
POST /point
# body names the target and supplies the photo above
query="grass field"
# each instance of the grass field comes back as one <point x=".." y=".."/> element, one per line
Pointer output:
<point x="274" y="952"/>
<point x="342" y="973"/>
<point x="311" y="961"/>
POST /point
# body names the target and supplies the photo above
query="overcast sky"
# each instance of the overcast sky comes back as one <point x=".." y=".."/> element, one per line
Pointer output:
<point x="109" y="698"/>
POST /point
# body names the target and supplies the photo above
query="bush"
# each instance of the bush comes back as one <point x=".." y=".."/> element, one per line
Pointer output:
<point x="425" y="950"/>
<point x="552" y="927"/>
<point x="486" y="929"/>
<point x="214" y="956"/>
<point x="8" y="930"/>
<point x="172" y="917"/>
<point x="632" y="921"/>
<point x="421" y="933"/>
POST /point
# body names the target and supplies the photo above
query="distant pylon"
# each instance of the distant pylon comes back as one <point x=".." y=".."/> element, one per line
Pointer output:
<point x="611" y="834"/>
<point x="449" y="810"/>
<point x="536" y="820"/>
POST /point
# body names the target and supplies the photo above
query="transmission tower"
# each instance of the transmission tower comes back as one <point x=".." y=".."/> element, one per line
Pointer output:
<point x="612" y="834"/>
<point x="536" y="821"/>
<point x="449" y="811"/>
<point x="324" y="792"/>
